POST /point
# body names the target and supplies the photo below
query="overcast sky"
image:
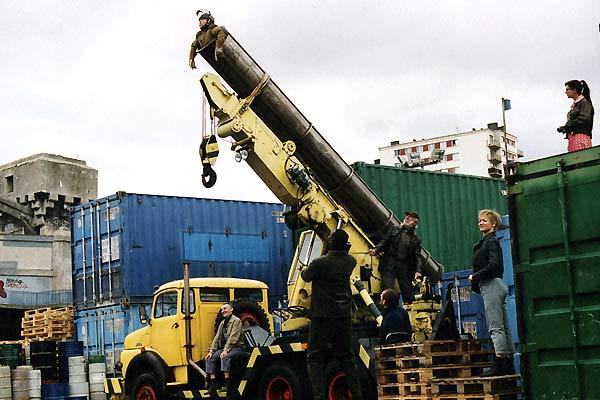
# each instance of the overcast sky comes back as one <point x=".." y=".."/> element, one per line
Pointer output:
<point x="108" y="81"/>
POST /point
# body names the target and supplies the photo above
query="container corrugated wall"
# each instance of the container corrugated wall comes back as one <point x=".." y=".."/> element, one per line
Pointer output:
<point x="555" y="223"/>
<point x="134" y="242"/>
<point x="103" y="329"/>
<point x="447" y="205"/>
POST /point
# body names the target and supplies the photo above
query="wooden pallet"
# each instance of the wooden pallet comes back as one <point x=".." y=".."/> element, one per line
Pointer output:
<point x="430" y="347"/>
<point x="425" y="375"/>
<point x="513" y="396"/>
<point x="47" y="323"/>
<point x="396" y="390"/>
<point x="493" y="385"/>
<point x="49" y="310"/>
<point x="434" y="360"/>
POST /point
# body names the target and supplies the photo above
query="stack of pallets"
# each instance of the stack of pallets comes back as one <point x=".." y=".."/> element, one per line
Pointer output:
<point x="48" y="324"/>
<point x="440" y="370"/>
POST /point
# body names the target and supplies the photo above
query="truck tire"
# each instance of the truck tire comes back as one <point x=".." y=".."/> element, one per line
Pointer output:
<point x="337" y="388"/>
<point x="282" y="381"/>
<point x="147" y="387"/>
<point x="249" y="311"/>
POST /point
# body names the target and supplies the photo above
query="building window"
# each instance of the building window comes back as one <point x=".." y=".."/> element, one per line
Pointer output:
<point x="10" y="184"/>
<point x="436" y="146"/>
<point x="449" y="157"/>
<point x="450" y="143"/>
<point x="402" y="152"/>
<point x="413" y="149"/>
<point x="452" y="170"/>
<point x="425" y="147"/>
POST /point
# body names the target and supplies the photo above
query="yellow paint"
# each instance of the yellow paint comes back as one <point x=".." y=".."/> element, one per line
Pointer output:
<point x="165" y="335"/>
<point x="275" y="349"/>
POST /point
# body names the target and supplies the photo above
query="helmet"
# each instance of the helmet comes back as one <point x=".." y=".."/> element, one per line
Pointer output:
<point x="204" y="14"/>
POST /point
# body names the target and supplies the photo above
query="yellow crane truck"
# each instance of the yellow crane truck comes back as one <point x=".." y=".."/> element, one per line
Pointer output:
<point x="165" y="359"/>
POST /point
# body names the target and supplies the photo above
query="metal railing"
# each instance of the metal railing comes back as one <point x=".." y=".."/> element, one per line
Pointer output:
<point x="29" y="300"/>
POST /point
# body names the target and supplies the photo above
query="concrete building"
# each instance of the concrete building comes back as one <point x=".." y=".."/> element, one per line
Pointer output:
<point x="480" y="152"/>
<point x="36" y="194"/>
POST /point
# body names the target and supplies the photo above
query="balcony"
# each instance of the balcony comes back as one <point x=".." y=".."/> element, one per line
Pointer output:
<point x="495" y="172"/>
<point x="494" y="159"/>
<point x="493" y="144"/>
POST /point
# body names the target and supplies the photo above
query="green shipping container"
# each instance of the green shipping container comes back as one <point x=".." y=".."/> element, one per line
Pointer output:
<point x="447" y="205"/>
<point x="554" y="208"/>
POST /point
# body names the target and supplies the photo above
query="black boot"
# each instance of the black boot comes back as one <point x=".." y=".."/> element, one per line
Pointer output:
<point x="212" y="388"/>
<point x="496" y="370"/>
<point x="232" y="393"/>
<point x="509" y="366"/>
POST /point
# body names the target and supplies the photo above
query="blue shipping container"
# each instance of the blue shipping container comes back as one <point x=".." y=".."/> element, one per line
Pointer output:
<point x="472" y="314"/>
<point x="126" y="244"/>
<point x="103" y="329"/>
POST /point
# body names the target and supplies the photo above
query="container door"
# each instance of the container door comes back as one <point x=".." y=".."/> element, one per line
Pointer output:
<point x="168" y="327"/>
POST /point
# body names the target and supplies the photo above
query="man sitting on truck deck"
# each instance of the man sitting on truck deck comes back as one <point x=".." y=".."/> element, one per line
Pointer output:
<point x="227" y="344"/>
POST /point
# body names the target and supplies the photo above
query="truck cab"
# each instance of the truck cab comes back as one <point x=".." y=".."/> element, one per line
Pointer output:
<point x="154" y="362"/>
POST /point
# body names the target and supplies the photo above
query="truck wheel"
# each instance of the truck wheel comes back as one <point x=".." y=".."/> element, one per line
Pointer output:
<point x="250" y="312"/>
<point x="280" y="381"/>
<point x="146" y="387"/>
<point x="337" y="388"/>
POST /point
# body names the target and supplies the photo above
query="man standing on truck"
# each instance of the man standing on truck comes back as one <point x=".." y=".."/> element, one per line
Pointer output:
<point x="227" y="344"/>
<point x="400" y="249"/>
<point x="207" y="33"/>
<point x="330" y="313"/>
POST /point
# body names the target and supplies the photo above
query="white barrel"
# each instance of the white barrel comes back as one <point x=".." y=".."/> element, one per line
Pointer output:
<point x="79" y="389"/>
<point x="5" y="383"/>
<point x="5" y="393"/>
<point x="35" y="384"/>
<point x="20" y="382"/>
<point x="77" y="372"/>
<point x="97" y="374"/>
<point x="97" y="396"/>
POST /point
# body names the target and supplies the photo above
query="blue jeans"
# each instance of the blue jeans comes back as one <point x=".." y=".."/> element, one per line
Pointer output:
<point x="494" y="294"/>
<point x="211" y="363"/>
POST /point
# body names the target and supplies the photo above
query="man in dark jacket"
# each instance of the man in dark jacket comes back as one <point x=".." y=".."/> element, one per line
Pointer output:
<point x="330" y="315"/>
<point x="207" y="33"/>
<point x="395" y="318"/>
<point x="400" y="249"/>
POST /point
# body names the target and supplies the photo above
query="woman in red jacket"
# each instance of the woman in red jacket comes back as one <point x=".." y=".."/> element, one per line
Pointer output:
<point x="580" y="118"/>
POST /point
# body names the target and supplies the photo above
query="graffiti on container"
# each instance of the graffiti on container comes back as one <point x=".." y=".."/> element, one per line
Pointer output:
<point x="2" y="291"/>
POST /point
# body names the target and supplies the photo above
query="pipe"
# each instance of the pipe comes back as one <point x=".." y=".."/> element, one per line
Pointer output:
<point x="360" y="287"/>
<point x="188" y="323"/>
<point x="243" y="75"/>
<point x="99" y="252"/>
<point x="93" y="254"/>
<point x="114" y="356"/>
<point x="83" y="253"/>
<point x="110" y="293"/>
<point x="457" y="287"/>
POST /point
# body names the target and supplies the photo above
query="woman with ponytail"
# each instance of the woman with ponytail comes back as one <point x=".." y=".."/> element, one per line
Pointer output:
<point x="580" y="119"/>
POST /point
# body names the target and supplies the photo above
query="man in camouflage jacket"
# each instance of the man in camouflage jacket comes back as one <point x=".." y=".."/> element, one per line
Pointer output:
<point x="207" y="33"/>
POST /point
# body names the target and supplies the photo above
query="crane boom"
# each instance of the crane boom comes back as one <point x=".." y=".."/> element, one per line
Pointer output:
<point x="239" y="70"/>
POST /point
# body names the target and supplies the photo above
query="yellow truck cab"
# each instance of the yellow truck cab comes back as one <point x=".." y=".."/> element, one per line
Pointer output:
<point x="155" y="361"/>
